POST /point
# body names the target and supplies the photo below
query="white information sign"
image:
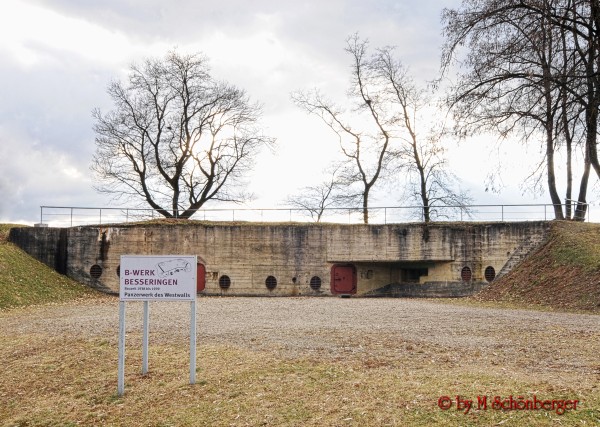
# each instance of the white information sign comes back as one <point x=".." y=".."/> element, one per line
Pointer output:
<point x="158" y="278"/>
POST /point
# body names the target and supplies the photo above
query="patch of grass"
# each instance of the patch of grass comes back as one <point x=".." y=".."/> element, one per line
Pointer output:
<point x="25" y="281"/>
<point x="577" y="245"/>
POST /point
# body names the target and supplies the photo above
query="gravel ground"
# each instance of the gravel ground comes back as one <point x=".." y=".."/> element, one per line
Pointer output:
<point x="546" y="344"/>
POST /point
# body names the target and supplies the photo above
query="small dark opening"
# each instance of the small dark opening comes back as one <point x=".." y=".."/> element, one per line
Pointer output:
<point x="224" y="282"/>
<point x="271" y="283"/>
<point x="413" y="275"/>
<point x="466" y="274"/>
<point x="315" y="283"/>
<point x="118" y="271"/>
<point x="95" y="271"/>
<point x="490" y="273"/>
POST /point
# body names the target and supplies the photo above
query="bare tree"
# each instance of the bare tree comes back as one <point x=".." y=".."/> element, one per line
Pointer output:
<point x="176" y="138"/>
<point x="381" y="137"/>
<point x="532" y="70"/>
<point x="430" y="183"/>
<point x="318" y="198"/>
<point x="367" y="151"/>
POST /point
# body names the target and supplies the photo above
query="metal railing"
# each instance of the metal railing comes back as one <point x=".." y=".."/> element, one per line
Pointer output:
<point x="69" y="216"/>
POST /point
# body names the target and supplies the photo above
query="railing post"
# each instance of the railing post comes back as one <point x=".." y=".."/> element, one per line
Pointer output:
<point x="71" y="217"/>
<point x="41" y="214"/>
<point x="100" y="216"/>
<point x="545" y="217"/>
<point x="502" y="213"/>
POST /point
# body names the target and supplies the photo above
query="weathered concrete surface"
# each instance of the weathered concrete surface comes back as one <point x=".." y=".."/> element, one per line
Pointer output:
<point x="426" y="260"/>
<point x="49" y="246"/>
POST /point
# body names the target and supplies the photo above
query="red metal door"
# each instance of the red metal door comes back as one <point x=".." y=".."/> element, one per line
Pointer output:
<point x="200" y="277"/>
<point x="343" y="279"/>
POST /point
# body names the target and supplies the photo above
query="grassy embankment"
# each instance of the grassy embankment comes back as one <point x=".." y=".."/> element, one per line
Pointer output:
<point x="563" y="274"/>
<point x="25" y="281"/>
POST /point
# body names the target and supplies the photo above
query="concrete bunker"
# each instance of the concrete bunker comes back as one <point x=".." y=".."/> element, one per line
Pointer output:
<point x="288" y="259"/>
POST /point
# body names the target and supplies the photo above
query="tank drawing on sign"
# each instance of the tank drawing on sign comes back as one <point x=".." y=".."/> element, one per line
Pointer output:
<point x="168" y="268"/>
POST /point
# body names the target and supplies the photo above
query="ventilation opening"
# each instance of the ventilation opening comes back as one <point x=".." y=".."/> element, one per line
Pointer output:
<point x="95" y="271"/>
<point x="466" y="274"/>
<point x="490" y="273"/>
<point x="413" y="275"/>
<point x="224" y="282"/>
<point x="118" y="271"/>
<point x="271" y="283"/>
<point x="315" y="283"/>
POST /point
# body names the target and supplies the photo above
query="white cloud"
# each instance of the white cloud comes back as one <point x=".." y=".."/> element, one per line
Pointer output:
<point x="28" y="32"/>
<point x="35" y="174"/>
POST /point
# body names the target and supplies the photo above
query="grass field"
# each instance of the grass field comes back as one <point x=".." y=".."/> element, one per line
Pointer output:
<point x="73" y="383"/>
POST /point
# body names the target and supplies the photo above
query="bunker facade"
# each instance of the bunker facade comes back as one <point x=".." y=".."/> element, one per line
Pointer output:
<point x="288" y="259"/>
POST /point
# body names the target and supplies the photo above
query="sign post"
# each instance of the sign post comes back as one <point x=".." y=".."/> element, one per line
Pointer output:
<point x="193" y="343"/>
<point x="156" y="278"/>
<point x="145" y="338"/>
<point x="121" y="385"/>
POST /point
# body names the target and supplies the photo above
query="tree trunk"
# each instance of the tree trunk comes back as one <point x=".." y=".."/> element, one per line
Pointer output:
<point x="365" y="207"/>
<point x="549" y="125"/>
<point x="568" y="201"/>
<point x="424" y="198"/>
<point x="581" y="208"/>
<point x="556" y="202"/>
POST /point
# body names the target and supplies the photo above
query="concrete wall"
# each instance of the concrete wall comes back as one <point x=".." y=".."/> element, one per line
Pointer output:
<point x="399" y="256"/>
<point x="48" y="245"/>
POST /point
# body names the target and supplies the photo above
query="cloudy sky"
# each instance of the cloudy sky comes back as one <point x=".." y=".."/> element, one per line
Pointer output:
<point x="58" y="57"/>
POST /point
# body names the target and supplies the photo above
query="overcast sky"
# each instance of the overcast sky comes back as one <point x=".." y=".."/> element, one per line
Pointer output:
<point x="58" y="57"/>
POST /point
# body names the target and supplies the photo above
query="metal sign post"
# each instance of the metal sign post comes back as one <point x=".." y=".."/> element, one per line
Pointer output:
<point x="145" y="338"/>
<point x="121" y="386"/>
<point x="193" y="343"/>
<point x="156" y="278"/>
